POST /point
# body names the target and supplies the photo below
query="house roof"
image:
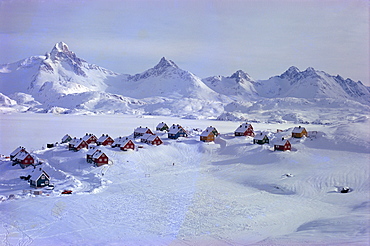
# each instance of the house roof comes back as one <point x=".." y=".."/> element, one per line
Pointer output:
<point x="160" y="125"/>
<point x="243" y="127"/>
<point x="175" y="129"/>
<point x="211" y="128"/>
<point x="121" y="140"/>
<point x="152" y="137"/>
<point x="17" y="150"/>
<point x="146" y="136"/>
<point x="91" y="151"/>
<point x="22" y="155"/>
<point x="260" y="136"/>
<point x="36" y="174"/>
<point x="206" y="133"/>
<point x="281" y="142"/>
<point x="88" y="136"/>
<point x="76" y="142"/>
<point x="141" y="129"/>
<point x="97" y="154"/>
<point x="298" y="129"/>
<point x="103" y="138"/>
<point x="65" y="137"/>
<point x="126" y="141"/>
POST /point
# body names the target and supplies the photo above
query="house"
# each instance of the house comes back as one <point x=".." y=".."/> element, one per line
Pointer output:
<point x="16" y="151"/>
<point x="119" y="141"/>
<point x="176" y="131"/>
<point x="90" y="153"/>
<point x="140" y="131"/>
<point x="207" y="136"/>
<point x="162" y="127"/>
<point x="261" y="139"/>
<point x="39" y="178"/>
<point x="24" y="159"/>
<point x="151" y="139"/>
<point x="282" y="145"/>
<point x="127" y="144"/>
<point x="244" y="129"/>
<point x="99" y="158"/>
<point x="66" y="139"/>
<point x="90" y="138"/>
<point x="105" y="140"/>
<point x="77" y="143"/>
<point x="299" y="132"/>
<point x="213" y="130"/>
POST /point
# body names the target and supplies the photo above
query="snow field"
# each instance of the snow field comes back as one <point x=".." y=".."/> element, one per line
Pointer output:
<point x="230" y="192"/>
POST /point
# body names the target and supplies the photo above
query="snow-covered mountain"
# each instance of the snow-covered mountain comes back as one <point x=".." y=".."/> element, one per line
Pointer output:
<point x="312" y="83"/>
<point x="61" y="82"/>
<point x="239" y="85"/>
<point x="165" y="79"/>
<point x="58" y="73"/>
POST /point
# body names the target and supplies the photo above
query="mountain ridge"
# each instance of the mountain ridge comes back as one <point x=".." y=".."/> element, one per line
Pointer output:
<point x="60" y="77"/>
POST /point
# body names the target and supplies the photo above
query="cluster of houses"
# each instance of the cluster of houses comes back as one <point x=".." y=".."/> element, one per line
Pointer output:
<point x="283" y="144"/>
<point x="96" y="156"/>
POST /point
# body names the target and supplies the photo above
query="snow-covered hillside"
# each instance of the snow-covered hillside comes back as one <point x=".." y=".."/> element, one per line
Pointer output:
<point x="187" y="192"/>
<point x="61" y="82"/>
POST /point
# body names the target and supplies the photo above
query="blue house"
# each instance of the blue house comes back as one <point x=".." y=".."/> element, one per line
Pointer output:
<point x="176" y="131"/>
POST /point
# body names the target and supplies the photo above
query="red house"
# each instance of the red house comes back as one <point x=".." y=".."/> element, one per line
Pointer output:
<point x="77" y="144"/>
<point x="151" y="139"/>
<point x="90" y="153"/>
<point x="244" y="129"/>
<point x="128" y="144"/>
<point x="140" y="131"/>
<point x="99" y="158"/>
<point x="24" y="159"/>
<point x="282" y="145"/>
<point x="16" y="151"/>
<point x="90" y="138"/>
<point x="105" y="140"/>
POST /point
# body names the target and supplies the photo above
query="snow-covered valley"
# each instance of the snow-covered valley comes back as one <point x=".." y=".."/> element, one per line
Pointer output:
<point x="187" y="192"/>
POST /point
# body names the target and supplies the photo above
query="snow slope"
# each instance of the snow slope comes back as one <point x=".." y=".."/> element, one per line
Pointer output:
<point x="230" y="192"/>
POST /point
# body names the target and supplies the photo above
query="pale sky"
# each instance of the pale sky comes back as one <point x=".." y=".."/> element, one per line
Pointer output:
<point x="205" y="37"/>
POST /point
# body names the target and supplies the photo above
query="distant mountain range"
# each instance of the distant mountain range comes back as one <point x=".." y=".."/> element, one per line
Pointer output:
<point x="61" y="82"/>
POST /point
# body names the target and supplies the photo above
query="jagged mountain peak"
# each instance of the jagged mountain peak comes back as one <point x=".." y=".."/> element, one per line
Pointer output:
<point x="240" y="75"/>
<point x="291" y="73"/>
<point x="164" y="63"/>
<point x="60" y="47"/>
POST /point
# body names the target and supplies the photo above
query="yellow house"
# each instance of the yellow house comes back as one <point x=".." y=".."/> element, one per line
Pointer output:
<point x="299" y="132"/>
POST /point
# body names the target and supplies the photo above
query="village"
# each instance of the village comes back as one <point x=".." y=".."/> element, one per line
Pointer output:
<point x="39" y="178"/>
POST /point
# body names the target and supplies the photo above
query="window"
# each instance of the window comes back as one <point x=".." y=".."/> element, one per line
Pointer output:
<point x="25" y="161"/>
